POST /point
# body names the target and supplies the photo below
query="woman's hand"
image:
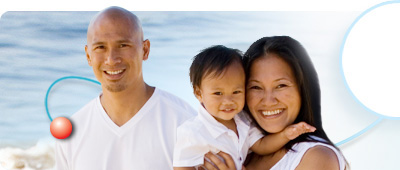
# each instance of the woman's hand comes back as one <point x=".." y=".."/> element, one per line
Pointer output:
<point x="215" y="163"/>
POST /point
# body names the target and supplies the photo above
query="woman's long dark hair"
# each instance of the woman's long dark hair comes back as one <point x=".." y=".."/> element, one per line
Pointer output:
<point x="296" y="56"/>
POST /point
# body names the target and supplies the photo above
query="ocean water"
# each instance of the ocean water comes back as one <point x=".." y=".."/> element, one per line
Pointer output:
<point x="36" y="48"/>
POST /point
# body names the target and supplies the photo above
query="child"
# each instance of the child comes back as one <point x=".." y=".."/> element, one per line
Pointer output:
<point x="218" y="79"/>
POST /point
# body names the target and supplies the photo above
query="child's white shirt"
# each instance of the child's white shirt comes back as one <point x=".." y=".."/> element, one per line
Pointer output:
<point x="204" y="133"/>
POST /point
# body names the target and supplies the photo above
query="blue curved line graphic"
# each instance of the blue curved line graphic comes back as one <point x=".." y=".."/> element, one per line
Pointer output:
<point x="360" y="132"/>
<point x="61" y="79"/>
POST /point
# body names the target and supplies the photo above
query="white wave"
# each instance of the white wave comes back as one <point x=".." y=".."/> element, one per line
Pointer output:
<point x="38" y="157"/>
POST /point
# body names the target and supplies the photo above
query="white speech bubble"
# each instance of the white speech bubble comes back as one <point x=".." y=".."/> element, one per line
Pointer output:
<point x="371" y="59"/>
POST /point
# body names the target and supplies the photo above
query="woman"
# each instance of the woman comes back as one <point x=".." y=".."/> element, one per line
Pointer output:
<point x="282" y="89"/>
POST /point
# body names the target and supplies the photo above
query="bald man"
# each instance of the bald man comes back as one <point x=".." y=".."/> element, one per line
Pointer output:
<point x="131" y="125"/>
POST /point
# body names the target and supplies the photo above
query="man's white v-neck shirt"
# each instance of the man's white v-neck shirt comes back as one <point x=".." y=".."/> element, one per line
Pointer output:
<point x="146" y="141"/>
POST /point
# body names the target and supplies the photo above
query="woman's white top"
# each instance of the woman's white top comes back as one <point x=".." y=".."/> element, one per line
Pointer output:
<point x="293" y="157"/>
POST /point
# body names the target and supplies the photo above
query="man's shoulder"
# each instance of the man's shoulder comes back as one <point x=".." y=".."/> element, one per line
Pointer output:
<point x="170" y="98"/>
<point x="192" y="124"/>
<point x="174" y="102"/>
<point x="87" y="108"/>
<point x="193" y="128"/>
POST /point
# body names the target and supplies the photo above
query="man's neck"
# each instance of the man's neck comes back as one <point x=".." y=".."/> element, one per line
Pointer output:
<point x="122" y="106"/>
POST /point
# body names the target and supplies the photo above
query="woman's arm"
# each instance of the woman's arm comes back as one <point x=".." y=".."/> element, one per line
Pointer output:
<point x="319" y="157"/>
<point x="229" y="164"/>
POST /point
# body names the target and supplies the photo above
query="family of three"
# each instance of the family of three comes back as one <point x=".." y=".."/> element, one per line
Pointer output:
<point x="258" y="110"/>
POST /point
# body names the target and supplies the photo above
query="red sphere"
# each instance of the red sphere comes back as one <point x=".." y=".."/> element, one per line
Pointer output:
<point x="61" y="127"/>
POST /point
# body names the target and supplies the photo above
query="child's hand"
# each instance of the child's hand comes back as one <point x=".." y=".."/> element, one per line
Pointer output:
<point x="295" y="130"/>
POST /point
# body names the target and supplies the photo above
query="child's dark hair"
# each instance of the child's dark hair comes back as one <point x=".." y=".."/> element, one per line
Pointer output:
<point x="214" y="59"/>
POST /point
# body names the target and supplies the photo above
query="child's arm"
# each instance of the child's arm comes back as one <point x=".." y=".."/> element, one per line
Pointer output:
<point x="273" y="142"/>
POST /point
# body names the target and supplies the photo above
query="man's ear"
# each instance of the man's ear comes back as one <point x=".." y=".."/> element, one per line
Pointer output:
<point x="146" y="49"/>
<point x="197" y="93"/>
<point x="87" y="56"/>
